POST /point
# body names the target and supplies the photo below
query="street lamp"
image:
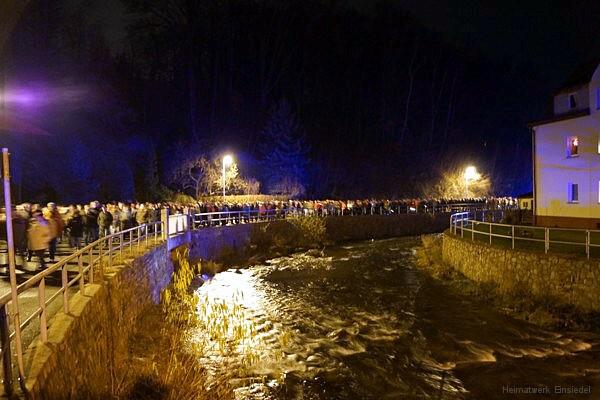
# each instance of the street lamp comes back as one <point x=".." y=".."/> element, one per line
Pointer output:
<point x="470" y="174"/>
<point x="227" y="161"/>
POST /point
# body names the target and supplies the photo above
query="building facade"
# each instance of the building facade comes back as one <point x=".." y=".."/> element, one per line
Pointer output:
<point x="566" y="157"/>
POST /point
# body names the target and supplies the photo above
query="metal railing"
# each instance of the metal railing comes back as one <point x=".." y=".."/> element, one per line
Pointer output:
<point x="560" y="240"/>
<point x="216" y="218"/>
<point x="96" y="255"/>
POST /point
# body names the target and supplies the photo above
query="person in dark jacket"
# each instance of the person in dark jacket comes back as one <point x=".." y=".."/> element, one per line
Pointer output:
<point x="75" y="227"/>
<point x="105" y="220"/>
<point x="91" y="224"/>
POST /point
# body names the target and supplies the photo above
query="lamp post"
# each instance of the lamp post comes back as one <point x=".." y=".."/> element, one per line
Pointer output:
<point x="227" y="160"/>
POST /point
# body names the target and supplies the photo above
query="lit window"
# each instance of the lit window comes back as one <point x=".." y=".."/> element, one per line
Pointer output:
<point x="573" y="193"/>
<point x="572" y="102"/>
<point x="572" y="146"/>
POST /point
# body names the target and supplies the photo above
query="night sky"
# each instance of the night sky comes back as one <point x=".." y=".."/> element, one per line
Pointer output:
<point x="114" y="70"/>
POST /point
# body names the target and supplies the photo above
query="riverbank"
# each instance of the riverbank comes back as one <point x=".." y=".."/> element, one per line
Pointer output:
<point x="546" y="312"/>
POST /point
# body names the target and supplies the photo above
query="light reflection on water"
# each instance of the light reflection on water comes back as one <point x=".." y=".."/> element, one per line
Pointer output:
<point x="362" y="322"/>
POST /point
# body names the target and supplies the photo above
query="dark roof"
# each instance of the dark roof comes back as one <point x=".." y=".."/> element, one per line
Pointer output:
<point x="581" y="75"/>
<point x="525" y="195"/>
<point x="560" y="117"/>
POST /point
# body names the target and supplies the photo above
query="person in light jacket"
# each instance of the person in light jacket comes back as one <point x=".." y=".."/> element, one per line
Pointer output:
<point x="38" y="237"/>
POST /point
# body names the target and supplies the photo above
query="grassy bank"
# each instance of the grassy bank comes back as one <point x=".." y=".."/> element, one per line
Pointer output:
<point x="519" y="304"/>
<point x="163" y="360"/>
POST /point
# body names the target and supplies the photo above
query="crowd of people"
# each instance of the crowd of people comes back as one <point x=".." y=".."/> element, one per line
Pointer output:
<point x="351" y="207"/>
<point x="38" y="229"/>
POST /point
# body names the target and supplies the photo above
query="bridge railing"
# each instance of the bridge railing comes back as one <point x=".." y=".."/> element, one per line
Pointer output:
<point x="476" y="227"/>
<point x="200" y="220"/>
<point x="81" y="267"/>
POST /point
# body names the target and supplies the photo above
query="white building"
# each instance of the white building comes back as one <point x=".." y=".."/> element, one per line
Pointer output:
<point x="566" y="157"/>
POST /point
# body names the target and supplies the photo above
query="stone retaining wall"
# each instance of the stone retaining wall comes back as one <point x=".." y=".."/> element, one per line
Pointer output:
<point x="235" y="244"/>
<point x="86" y="351"/>
<point x="560" y="278"/>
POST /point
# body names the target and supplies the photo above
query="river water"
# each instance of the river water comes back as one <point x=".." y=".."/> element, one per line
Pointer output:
<point x="361" y="321"/>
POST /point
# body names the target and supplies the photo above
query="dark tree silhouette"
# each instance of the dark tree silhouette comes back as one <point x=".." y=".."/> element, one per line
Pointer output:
<point x="285" y="153"/>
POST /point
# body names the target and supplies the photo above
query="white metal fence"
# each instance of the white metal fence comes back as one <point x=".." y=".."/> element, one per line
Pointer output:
<point x="473" y="225"/>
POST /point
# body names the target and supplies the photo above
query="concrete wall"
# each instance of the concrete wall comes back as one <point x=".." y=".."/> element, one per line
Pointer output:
<point x="559" y="278"/>
<point x="236" y="244"/>
<point x="87" y="348"/>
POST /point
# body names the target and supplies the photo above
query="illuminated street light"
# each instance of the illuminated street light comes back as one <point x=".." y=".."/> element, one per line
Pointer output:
<point x="227" y="161"/>
<point x="471" y="173"/>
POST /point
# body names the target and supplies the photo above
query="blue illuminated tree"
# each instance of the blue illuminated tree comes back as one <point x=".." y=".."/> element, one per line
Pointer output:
<point x="285" y="153"/>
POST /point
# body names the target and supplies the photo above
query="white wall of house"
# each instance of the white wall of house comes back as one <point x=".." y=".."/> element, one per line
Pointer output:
<point x="594" y="93"/>
<point x="562" y="102"/>
<point x="555" y="170"/>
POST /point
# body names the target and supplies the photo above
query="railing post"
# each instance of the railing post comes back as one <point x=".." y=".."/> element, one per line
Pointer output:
<point x="513" y="236"/>
<point x="473" y="230"/>
<point x="587" y="244"/>
<point x="91" y="265"/>
<point x="101" y="260"/>
<point x="462" y="227"/>
<point x="43" y="316"/>
<point x="121" y="237"/>
<point x="490" y="225"/>
<point x="81" y="275"/>
<point x="546" y="240"/>
<point x="110" y="251"/>
<point x="131" y="241"/>
<point x="146" y="235"/>
<point x="6" y="352"/>
<point x="164" y="217"/>
<point x="65" y="282"/>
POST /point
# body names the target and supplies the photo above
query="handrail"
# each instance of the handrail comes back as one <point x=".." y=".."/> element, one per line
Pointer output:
<point x="462" y="222"/>
<point x="136" y="234"/>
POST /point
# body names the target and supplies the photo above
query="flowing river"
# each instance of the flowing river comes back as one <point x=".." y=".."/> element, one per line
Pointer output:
<point x="361" y="321"/>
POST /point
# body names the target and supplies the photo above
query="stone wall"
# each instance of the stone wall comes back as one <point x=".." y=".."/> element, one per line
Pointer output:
<point x="559" y="278"/>
<point x="85" y="355"/>
<point x="238" y="243"/>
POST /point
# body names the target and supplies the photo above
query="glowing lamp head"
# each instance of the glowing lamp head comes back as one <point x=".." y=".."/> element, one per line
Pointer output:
<point x="227" y="160"/>
<point x="471" y="173"/>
